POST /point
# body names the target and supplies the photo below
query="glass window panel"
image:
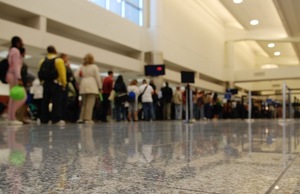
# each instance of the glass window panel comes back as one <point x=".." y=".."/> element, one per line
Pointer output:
<point x="132" y="13"/>
<point x="116" y="6"/>
<point x="134" y="2"/>
<point x="101" y="3"/>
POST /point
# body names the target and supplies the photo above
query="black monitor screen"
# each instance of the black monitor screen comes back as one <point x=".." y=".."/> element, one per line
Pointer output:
<point x="187" y="77"/>
<point x="232" y="90"/>
<point x="154" y="70"/>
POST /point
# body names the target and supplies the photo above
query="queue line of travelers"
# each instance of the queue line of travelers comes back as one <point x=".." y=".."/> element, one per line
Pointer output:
<point x="82" y="96"/>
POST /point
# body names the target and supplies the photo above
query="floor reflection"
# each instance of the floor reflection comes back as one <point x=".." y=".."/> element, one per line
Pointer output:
<point x="150" y="157"/>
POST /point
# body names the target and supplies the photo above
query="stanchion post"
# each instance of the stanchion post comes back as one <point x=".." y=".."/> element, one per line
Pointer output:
<point x="249" y="105"/>
<point x="283" y="101"/>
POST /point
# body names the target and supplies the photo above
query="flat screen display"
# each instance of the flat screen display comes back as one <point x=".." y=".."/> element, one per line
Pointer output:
<point x="154" y="70"/>
<point x="232" y="90"/>
<point x="187" y="77"/>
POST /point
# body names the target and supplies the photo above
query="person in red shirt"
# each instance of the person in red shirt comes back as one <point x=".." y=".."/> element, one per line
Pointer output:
<point x="106" y="90"/>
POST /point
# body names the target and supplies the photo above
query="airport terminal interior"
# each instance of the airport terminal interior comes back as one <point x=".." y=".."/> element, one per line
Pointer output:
<point x="242" y="54"/>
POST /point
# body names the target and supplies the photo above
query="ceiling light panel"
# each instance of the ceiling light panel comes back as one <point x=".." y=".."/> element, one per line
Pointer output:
<point x="271" y="45"/>
<point x="237" y="1"/>
<point x="277" y="53"/>
<point x="269" y="66"/>
<point x="263" y="10"/>
<point x="254" y="22"/>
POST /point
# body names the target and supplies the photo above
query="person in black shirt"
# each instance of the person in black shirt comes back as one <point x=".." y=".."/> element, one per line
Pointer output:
<point x="120" y="99"/>
<point x="167" y="94"/>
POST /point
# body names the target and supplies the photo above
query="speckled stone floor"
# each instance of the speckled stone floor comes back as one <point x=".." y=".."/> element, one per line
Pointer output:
<point x="226" y="157"/>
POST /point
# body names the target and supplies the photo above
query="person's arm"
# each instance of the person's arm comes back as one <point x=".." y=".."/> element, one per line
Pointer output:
<point x="97" y="77"/>
<point x="61" y="69"/>
<point x="15" y="60"/>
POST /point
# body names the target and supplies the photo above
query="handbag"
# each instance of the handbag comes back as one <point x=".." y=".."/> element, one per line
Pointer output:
<point x="112" y="96"/>
<point x="121" y="98"/>
<point x="141" y="95"/>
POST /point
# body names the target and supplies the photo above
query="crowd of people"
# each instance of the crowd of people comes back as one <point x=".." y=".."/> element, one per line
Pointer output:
<point x="58" y="94"/>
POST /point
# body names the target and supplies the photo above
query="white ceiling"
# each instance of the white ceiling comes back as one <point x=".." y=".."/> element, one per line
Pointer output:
<point x="278" y="23"/>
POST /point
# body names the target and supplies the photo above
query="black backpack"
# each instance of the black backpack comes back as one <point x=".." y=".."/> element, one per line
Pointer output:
<point x="48" y="71"/>
<point x="3" y="70"/>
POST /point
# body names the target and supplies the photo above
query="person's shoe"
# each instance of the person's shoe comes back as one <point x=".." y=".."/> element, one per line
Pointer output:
<point x="61" y="122"/>
<point x="15" y="122"/>
<point x="26" y="121"/>
<point x="89" y="122"/>
<point x="80" y="121"/>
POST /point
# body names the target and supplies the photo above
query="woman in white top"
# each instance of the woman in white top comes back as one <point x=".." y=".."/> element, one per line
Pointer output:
<point x="89" y="87"/>
<point x="133" y="104"/>
<point x="147" y="101"/>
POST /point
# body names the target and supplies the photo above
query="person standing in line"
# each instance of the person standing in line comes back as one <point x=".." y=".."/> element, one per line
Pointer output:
<point x="133" y="105"/>
<point x="13" y="78"/>
<point x="53" y="90"/>
<point x="70" y="108"/>
<point x="89" y="87"/>
<point x="155" y="100"/>
<point x="196" y="110"/>
<point x="36" y="90"/>
<point x="147" y="101"/>
<point x="106" y="90"/>
<point x="120" y="89"/>
<point x="167" y="94"/>
<point x="200" y="104"/>
<point x="22" y="113"/>
<point x="177" y="99"/>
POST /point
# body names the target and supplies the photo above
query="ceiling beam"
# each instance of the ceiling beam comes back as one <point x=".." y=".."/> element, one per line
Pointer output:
<point x="283" y="73"/>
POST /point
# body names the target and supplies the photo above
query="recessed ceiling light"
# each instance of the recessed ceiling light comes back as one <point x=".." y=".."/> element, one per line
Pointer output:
<point x="271" y="45"/>
<point x="269" y="66"/>
<point x="237" y="1"/>
<point x="277" y="53"/>
<point x="254" y="22"/>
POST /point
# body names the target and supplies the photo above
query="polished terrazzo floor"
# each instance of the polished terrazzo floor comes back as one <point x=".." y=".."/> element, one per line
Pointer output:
<point x="226" y="157"/>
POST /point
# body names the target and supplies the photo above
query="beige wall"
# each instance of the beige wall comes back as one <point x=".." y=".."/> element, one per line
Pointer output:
<point x="188" y="35"/>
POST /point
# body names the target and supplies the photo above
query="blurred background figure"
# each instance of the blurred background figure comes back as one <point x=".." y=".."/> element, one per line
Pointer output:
<point x="133" y="103"/>
<point x="120" y="98"/>
<point x="106" y="90"/>
<point x="167" y="95"/>
<point x="177" y="99"/>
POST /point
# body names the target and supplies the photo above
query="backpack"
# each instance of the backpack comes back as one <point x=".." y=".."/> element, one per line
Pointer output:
<point x="3" y="70"/>
<point x="131" y="96"/>
<point x="48" y="70"/>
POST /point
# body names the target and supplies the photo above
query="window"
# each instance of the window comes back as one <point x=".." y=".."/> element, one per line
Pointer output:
<point x="134" y="2"/>
<point x="129" y="9"/>
<point x="132" y="14"/>
<point x="115" y="6"/>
